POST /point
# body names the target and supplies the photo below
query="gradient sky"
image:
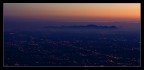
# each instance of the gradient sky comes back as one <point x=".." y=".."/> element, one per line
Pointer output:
<point x="82" y="12"/>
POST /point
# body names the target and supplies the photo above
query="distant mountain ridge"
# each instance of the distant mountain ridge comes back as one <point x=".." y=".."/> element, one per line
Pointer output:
<point x="82" y="26"/>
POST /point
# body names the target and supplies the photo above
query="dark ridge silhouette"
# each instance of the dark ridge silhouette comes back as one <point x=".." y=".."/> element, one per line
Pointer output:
<point x="82" y="26"/>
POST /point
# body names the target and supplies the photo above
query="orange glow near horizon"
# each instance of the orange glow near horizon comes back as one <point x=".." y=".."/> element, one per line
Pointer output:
<point x="74" y="11"/>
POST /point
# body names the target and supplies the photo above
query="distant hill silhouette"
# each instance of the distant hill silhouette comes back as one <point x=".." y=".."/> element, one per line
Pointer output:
<point x="82" y="26"/>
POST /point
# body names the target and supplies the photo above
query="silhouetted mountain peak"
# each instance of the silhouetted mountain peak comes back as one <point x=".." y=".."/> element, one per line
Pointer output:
<point x="91" y="25"/>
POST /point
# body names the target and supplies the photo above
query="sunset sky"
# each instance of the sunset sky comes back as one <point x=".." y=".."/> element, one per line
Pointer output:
<point x="81" y="12"/>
